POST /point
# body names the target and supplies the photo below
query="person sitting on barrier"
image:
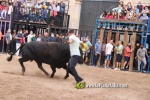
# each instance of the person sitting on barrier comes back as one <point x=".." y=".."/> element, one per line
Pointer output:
<point x="62" y="6"/>
<point x="127" y="54"/>
<point x="109" y="16"/>
<point x="103" y="15"/>
<point x="139" y="6"/>
<point x="115" y="14"/>
<point x="141" y="53"/>
<point x="97" y="51"/>
<point x="118" y="9"/>
<point x="4" y="11"/>
<point x="108" y="53"/>
<point x="119" y="53"/>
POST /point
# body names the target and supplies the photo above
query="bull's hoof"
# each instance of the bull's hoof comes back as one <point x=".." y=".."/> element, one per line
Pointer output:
<point x="52" y="76"/>
<point x="66" y="76"/>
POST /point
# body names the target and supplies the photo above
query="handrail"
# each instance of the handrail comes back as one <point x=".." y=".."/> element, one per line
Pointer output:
<point x="120" y="21"/>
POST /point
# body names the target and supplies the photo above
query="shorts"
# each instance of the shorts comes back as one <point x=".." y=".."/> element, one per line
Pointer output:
<point x="108" y="57"/>
<point x="126" y="58"/>
<point x="118" y="58"/>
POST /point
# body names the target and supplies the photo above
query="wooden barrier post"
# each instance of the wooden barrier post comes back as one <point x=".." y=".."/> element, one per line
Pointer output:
<point x="109" y="35"/>
<point x="126" y="41"/>
<point x="101" y="35"/>
<point x="116" y="42"/>
<point x="133" y="42"/>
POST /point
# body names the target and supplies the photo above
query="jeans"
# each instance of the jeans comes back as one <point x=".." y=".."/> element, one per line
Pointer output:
<point x="3" y="14"/>
<point x="139" y="63"/>
<point x="96" y="59"/>
<point x="71" y="68"/>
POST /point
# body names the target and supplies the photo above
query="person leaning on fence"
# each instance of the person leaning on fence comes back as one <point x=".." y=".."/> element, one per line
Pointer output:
<point x="127" y="53"/>
<point x="119" y="52"/>
<point x="108" y="53"/>
<point x="141" y="53"/>
<point x="97" y="51"/>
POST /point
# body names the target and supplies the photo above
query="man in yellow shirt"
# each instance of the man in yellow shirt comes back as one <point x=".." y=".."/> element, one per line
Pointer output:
<point x="84" y="47"/>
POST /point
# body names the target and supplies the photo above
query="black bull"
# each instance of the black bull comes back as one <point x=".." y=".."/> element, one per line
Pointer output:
<point x="54" y="54"/>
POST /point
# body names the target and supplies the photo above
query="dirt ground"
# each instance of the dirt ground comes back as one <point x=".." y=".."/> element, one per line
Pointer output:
<point x="35" y="85"/>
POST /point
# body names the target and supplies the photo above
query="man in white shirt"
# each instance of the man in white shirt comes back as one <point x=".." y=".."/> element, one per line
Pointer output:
<point x="108" y="53"/>
<point x="74" y="43"/>
<point x="30" y="36"/>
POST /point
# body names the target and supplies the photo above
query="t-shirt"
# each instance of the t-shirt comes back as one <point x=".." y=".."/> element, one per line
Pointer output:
<point x="109" y="48"/>
<point x="141" y="53"/>
<point x="33" y="39"/>
<point x="89" y="45"/>
<point x="127" y="52"/>
<point x="19" y="36"/>
<point x="98" y="48"/>
<point x="85" y="47"/>
<point x="120" y="48"/>
<point x="74" y="46"/>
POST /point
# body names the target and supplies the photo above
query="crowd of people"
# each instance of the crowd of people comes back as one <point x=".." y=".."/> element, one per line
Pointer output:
<point x="126" y="12"/>
<point x="41" y="12"/>
<point x="107" y="51"/>
<point x="6" y="8"/>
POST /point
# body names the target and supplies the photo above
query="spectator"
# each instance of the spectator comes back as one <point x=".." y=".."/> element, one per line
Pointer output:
<point x="139" y="6"/>
<point x="103" y="15"/>
<point x="26" y="36"/>
<point x="62" y="6"/>
<point x="39" y="39"/>
<point x="129" y="6"/>
<point x="141" y="53"/>
<point x="52" y="38"/>
<point x="119" y="52"/>
<point x="33" y="39"/>
<point x="97" y="51"/>
<point x="103" y="53"/>
<point x="14" y="41"/>
<point x="10" y="10"/>
<point x="4" y="11"/>
<point x="30" y="36"/>
<point x="84" y="48"/>
<point x="118" y="9"/>
<point x="144" y="17"/>
<point x="109" y="16"/>
<point x="127" y="53"/>
<point x="18" y="42"/>
<point x="108" y="53"/>
<point x="58" y="38"/>
<point x="87" y="56"/>
<point x="121" y="3"/>
<point x="8" y="40"/>
<point x="115" y="15"/>
<point x="45" y="38"/>
<point x="135" y="63"/>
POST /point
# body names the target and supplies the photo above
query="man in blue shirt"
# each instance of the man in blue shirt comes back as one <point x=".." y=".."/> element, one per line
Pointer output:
<point x="97" y="51"/>
<point x="52" y="38"/>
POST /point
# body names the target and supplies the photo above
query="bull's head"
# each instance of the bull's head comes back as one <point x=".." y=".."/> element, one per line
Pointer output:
<point x="81" y="60"/>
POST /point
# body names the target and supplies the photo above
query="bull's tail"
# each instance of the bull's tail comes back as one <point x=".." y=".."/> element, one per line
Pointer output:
<point x="11" y="54"/>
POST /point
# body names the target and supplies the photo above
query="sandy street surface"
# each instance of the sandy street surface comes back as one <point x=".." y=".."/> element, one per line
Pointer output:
<point x="35" y="85"/>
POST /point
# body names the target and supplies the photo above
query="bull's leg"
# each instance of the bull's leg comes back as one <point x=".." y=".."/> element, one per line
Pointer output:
<point x="53" y="71"/>
<point x="67" y="73"/>
<point x="41" y="67"/>
<point x="21" y="60"/>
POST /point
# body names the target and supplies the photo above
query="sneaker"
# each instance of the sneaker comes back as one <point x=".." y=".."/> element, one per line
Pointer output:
<point x="115" y="69"/>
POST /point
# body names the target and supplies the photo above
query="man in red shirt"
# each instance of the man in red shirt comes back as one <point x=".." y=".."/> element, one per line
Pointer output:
<point x="127" y="53"/>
